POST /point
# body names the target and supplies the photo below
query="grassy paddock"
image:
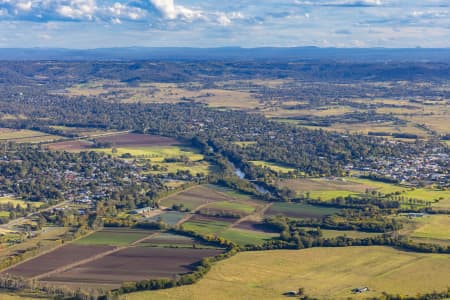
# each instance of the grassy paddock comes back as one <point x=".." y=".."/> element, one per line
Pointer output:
<point x="325" y="273"/>
<point x="244" y="237"/>
<point x="113" y="237"/>
<point x="294" y="210"/>
<point x="273" y="166"/>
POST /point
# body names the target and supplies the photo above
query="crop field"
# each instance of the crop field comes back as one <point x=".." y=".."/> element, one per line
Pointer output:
<point x="133" y="264"/>
<point x="241" y="208"/>
<point x="26" y="136"/>
<point x="114" y="237"/>
<point x="168" y="240"/>
<point x="207" y="225"/>
<point x="273" y="166"/>
<point x="324" y="273"/>
<point x="245" y="237"/>
<point x="55" y="259"/>
<point x="170" y="218"/>
<point x="70" y="146"/>
<point x="194" y="197"/>
<point x="294" y="210"/>
<point x="138" y="140"/>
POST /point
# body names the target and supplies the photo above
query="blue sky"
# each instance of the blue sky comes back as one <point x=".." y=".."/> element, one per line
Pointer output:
<point x="154" y="23"/>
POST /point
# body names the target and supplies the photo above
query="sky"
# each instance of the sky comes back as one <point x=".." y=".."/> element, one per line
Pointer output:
<point x="84" y="24"/>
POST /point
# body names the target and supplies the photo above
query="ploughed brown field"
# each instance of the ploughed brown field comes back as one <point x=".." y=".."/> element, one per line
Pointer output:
<point x="137" y="140"/>
<point x="133" y="264"/>
<point x="58" y="258"/>
<point x="77" y="145"/>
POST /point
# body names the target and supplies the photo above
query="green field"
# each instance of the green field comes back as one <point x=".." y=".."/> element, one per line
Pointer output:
<point x="244" y="237"/>
<point x="156" y="154"/>
<point x="15" y="202"/>
<point x="327" y="189"/>
<point x="113" y="237"/>
<point x="323" y="188"/>
<point x="432" y="227"/>
<point x="325" y="273"/>
<point x="295" y="210"/>
<point x="205" y="226"/>
<point x="231" y="193"/>
<point x="350" y="234"/>
<point x="273" y="166"/>
<point x="170" y="218"/>
<point x="234" y="206"/>
<point x="26" y="136"/>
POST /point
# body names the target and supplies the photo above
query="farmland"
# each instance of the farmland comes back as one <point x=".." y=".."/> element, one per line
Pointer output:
<point x="293" y="210"/>
<point x="114" y="255"/>
<point x="113" y="237"/>
<point x="273" y="166"/>
<point x="137" y="140"/>
<point x="26" y="136"/>
<point x="322" y="272"/>
<point x="431" y="229"/>
<point x="207" y="225"/>
<point x="244" y="237"/>
<point x="60" y="257"/>
<point x="194" y="197"/>
<point x="133" y="264"/>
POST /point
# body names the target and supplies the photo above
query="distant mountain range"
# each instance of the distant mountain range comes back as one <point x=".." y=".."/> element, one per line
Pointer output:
<point x="234" y="53"/>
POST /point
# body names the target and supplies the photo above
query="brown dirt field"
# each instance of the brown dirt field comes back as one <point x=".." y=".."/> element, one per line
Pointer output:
<point x="60" y="257"/>
<point x="195" y="197"/>
<point x="254" y="226"/>
<point x="134" y="264"/>
<point x="77" y="145"/>
<point x="135" y="139"/>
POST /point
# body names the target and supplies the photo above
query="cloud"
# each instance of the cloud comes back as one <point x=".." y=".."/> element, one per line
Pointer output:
<point x="171" y="11"/>
<point x="78" y="9"/>
<point x="343" y="3"/>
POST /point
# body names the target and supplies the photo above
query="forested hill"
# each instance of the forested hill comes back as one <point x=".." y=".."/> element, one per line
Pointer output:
<point x="236" y="53"/>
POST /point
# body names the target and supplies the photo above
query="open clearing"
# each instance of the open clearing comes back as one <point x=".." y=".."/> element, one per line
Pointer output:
<point x="113" y="237"/>
<point x="70" y="146"/>
<point x="194" y="197"/>
<point x="60" y="257"/>
<point x="137" y="140"/>
<point x="170" y="218"/>
<point x="207" y="225"/>
<point x="134" y="264"/>
<point x="21" y="203"/>
<point x="325" y="273"/>
<point x="273" y="166"/>
<point x="26" y="136"/>
<point x="429" y="229"/>
<point x="237" y="207"/>
<point x="323" y="188"/>
<point x="244" y="237"/>
<point x="294" y="210"/>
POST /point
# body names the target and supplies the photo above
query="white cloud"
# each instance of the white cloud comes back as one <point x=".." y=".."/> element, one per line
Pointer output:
<point x="171" y="11"/>
<point x="78" y="9"/>
<point x="24" y="6"/>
